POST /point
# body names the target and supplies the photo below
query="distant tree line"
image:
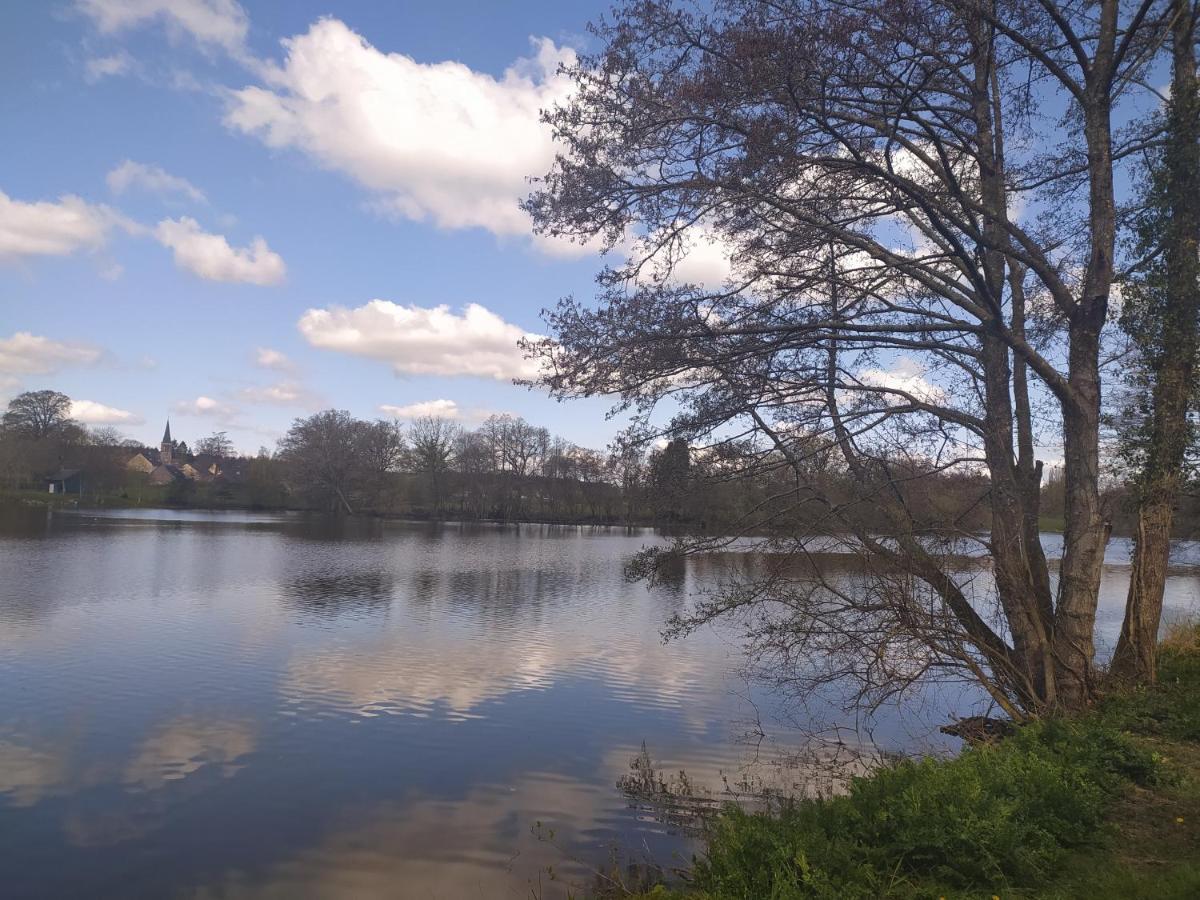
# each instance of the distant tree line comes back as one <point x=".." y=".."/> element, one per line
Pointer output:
<point x="505" y="469"/>
<point x="511" y="470"/>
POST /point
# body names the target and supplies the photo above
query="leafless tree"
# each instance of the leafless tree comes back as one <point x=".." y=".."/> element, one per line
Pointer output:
<point x="216" y="444"/>
<point x="432" y="440"/>
<point x="860" y="161"/>
<point x="38" y="414"/>
<point x="382" y="448"/>
<point x="322" y="453"/>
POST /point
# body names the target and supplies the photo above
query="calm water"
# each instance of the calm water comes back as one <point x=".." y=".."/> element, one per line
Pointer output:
<point x="232" y="705"/>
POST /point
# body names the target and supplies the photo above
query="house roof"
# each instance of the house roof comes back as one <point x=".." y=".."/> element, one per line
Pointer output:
<point x="63" y="475"/>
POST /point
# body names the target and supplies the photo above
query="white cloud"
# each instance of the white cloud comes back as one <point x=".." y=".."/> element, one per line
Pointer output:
<point x="151" y="178"/>
<point x="30" y="354"/>
<point x="211" y="257"/>
<point x="423" y="341"/>
<point x="703" y="259"/>
<point x="111" y="271"/>
<point x="442" y="409"/>
<point x="906" y="376"/>
<point x="99" y="67"/>
<point x="92" y="413"/>
<point x="221" y="23"/>
<point x="204" y="406"/>
<point x="266" y="358"/>
<point x="47" y="228"/>
<point x="705" y="263"/>
<point x="434" y="141"/>
<point x="285" y="393"/>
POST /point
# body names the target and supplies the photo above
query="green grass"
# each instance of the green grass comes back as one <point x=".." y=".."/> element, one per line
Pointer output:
<point x="1104" y="806"/>
<point x="151" y="495"/>
<point x="1051" y="523"/>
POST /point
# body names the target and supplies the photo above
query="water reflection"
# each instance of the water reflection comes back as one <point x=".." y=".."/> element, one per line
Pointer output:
<point x="27" y="773"/>
<point x="447" y="849"/>
<point x="185" y="746"/>
<point x="273" y="706"/>
<point x="339" y="590"/>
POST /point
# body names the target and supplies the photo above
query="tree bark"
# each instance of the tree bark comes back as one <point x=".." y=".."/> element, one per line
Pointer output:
<point x="1087" y="530"/>
<point x="1024" y="598"/>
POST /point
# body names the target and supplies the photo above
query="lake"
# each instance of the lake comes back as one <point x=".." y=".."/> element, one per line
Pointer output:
<point x="258" y="706"/>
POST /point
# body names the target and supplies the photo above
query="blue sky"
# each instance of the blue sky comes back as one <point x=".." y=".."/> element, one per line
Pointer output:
<point x="200" y="200"/>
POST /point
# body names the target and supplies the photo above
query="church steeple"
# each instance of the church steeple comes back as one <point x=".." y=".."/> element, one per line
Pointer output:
<point x="167" y="446"/>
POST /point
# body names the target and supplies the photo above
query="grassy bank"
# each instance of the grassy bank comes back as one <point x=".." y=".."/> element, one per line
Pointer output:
<point x="148" y="497"/>
<point x="1105" y="806"/>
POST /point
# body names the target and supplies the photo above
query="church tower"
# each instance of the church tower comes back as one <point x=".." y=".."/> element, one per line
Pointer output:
<point x="165" y="449"/>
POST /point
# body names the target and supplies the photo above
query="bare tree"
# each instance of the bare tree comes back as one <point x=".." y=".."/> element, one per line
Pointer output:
<point x="321" y="451"/>
<point x="216" y="444"/>
<point x="473" y="462"/>
<point x="382" y="449"/>
<point x="859" y="159"/>
<point x="106" y="436"/>
<point x="38" y="414"/>
<point x="432" y="440"/>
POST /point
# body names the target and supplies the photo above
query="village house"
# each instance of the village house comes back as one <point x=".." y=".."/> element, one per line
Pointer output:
<point x="161" y="466"/>
<point x="65" y="481"/>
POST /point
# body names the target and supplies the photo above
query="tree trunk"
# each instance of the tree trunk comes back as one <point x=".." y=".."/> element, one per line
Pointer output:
<point x="1086" y="530"/>
<point x="1084" y="540"/>
<point x="1174" y="370"/>
<point x="1014" y="559"/>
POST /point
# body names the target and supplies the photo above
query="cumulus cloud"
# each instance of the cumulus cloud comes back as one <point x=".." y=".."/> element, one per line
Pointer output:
<point x="211" y="257"/>
<point x="99" y="67"/>
<point x="151" y="178"/>
<point x="418" y="340"/>
<point x="92" y="413"/>
<point x="907" y="377"/>
<point x="705" y="262"/>
<point x="442" y="409"/>
<point x="285" y="393"/>
<point x="48" y="228"/>
<point x="266" y="358"/>
<point x="31" y="354"/>
<point x="219" y="23"/>
<point x="435" y="141"/>
<point x="204" y="406"/>
<point x="703" y="258"/>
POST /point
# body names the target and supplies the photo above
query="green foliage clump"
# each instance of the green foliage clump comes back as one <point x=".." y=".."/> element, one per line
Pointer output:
<point x="1171" y="707"/>
<point x="995" y="816"/>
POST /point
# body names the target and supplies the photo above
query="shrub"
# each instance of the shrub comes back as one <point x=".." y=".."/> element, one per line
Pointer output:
<point x="995" y="815"/>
